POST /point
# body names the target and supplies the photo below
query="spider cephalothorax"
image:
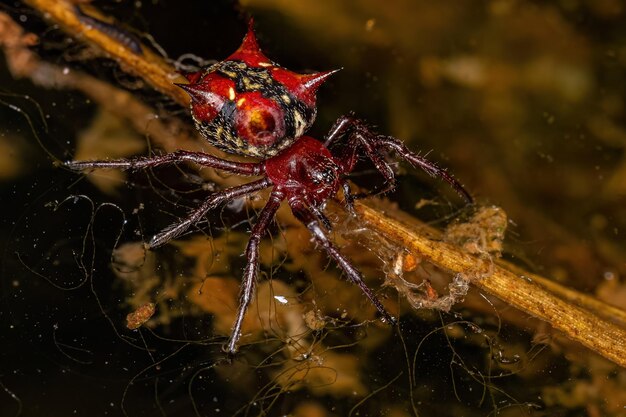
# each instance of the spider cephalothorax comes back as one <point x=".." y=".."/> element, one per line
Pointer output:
<point x="251" y="106"/>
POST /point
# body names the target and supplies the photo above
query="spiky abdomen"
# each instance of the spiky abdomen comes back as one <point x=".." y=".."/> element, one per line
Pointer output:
<point x="244" y="110"/>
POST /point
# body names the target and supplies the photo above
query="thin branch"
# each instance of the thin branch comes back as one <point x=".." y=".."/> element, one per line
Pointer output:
<point x="147" y="65"/>
<point x="608" y="312"/>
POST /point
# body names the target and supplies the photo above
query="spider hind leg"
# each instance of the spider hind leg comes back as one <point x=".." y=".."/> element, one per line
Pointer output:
<point x="353" y="274"/>
<point x="248" y="284"/>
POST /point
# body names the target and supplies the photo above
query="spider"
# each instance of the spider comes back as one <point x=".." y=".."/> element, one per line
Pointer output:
<point x="249" y="105"/>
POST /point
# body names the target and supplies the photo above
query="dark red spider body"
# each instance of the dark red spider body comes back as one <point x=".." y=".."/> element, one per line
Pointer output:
<point x="307" y="166"/>
<point x="251" y="106"/>
<point x="248" y="105"/>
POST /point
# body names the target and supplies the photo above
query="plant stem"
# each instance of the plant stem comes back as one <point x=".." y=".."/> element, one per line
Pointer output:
<point x="581" y="325"/>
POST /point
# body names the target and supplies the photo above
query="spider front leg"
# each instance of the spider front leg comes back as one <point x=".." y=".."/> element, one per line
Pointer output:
<point x="304" y="214"/>
<point x="374" y="145"/>
<point x="390" y="143"/>
<point x="248" y="283"/>
<point x="201" y="158"/>
<point x="356" y="133"/>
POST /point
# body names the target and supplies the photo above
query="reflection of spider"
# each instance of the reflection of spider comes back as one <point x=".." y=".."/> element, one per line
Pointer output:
<point x="249" y="105"/>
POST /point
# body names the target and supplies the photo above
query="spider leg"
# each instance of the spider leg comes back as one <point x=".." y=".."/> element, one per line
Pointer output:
<point x="338" y="129"/>
<point x="305" y="216"/>
<point x="210" y="203"/>
<point x="359" y="134"/>
<point x="252" y="256"/>
<point x="344" y="126"/>
<point x="348" y="197"/>
<point x="417" y="161"/>
<point x="321" y="217"/>
<point x="364" y="137"/>
<point x="201" y="158"/>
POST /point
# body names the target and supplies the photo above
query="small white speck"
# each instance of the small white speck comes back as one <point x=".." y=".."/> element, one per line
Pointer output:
<point x="281" y="299"/>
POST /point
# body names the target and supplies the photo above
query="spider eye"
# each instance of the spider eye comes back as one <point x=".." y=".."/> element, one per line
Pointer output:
<point x="329" y="175"/>
<point x="321" y="173"/>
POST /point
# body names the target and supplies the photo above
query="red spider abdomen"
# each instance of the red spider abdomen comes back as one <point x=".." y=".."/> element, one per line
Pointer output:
<point x="251" y="106"/>
<point x="306" y="171"/>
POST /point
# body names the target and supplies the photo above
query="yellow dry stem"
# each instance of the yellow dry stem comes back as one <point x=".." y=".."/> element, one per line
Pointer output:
<point x="148" y="66"/>
<point x="581" y="325"/>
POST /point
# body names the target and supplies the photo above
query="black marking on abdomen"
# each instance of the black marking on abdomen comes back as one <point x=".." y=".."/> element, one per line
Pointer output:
<point x="248" y="79"/>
